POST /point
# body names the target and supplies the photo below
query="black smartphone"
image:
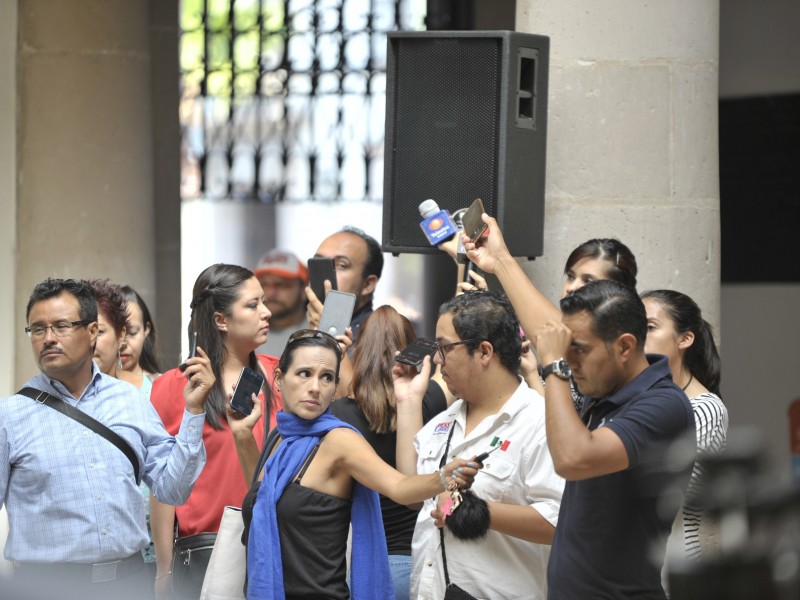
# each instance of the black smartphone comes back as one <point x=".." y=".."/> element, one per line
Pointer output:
<point x="472" y="222"/>
<point x="417" y="351"/>
<point x="321" y="268"/>
<point x="192" y="351"/>
<point x="337" y="312"/>
<point x="249" y="383"/>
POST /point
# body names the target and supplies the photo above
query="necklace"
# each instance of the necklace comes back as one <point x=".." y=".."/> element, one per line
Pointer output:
<point x="691" y="377"/>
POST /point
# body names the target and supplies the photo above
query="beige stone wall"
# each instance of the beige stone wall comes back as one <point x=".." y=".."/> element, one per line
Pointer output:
<point x="9" y="321"/>
<point x="8" y="186"/>
<point x="632" y="141"/>
<point x="85" y="143"/>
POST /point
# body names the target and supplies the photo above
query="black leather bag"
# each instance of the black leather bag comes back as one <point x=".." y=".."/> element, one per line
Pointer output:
<point x="453" y="592"/>
<point x="190" y="558"/>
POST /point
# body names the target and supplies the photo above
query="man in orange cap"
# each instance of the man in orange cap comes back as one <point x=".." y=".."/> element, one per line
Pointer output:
<point x="284" y="278"/>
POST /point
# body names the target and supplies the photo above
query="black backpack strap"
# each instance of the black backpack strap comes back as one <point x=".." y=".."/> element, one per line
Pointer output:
<point x="81" y="417"/>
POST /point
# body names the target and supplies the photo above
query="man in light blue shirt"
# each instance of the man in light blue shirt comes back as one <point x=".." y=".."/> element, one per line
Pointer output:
<point x="76" y="519"/>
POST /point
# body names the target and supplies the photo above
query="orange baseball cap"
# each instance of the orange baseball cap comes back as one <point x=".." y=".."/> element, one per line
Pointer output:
<point x="282" y="263"/>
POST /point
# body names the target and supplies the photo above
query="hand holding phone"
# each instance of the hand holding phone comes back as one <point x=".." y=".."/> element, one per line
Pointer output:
<point x="192" y="352"/>
<point x="337" y="312"/>
<point x="321" y="268"/>
<point x="249" y="383"/>
<point x="472" y="222"/>
<point x="417" y="351"/>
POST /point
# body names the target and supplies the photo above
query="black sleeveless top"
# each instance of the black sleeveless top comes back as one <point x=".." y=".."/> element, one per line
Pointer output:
<point x="313" y="529"/>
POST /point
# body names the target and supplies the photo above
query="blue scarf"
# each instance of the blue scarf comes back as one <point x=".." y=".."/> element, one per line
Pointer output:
<point x="369" y="573"/>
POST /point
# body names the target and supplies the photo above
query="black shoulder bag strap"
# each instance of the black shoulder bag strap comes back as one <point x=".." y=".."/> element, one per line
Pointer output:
<point x="441" y="529"/>
<point x="81" y="417"/>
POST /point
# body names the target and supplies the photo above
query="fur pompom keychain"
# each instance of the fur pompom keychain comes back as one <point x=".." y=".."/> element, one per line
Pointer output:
<point x="471" y="521"/>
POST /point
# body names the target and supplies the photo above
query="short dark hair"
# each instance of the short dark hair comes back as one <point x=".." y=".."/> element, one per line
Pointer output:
<point x="702" y="357"/>
<point x="374" y="264"/>
<point x="149" y="358"/>
<point x="615" y="309"/>
<point x="621" y="261"/>
<point x="50" y="288"/>
<point x="487" y="316"/>
<point x="111" y="303"/>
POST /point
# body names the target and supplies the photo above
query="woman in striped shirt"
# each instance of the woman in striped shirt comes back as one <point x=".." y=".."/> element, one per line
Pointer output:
<point x="676" y="329"/>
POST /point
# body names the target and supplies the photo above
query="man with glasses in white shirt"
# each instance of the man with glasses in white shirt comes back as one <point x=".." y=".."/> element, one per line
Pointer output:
<point x="479" y="354"/>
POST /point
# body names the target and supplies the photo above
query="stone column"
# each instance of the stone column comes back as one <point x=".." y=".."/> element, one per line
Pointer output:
<point x="9" y="321"/>
<point x="632" y="141"/>
<point x="85" y="144"/>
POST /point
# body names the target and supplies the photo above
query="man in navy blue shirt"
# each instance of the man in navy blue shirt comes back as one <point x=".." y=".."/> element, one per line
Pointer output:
<point x="612" y="526"/>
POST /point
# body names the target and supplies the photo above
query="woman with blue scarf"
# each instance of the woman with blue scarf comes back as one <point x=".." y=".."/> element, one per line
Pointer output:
<point x="320" y="478"/>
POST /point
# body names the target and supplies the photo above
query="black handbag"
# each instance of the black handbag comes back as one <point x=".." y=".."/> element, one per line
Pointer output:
<point x="190" y="558"/>
<point x="453" y="592"/>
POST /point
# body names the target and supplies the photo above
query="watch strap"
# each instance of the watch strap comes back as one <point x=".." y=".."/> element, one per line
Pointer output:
<point x="554" y="369"/>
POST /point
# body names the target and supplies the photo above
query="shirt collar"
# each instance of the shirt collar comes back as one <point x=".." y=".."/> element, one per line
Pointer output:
<point x="508" y="411"/>
<point x="657" y="370"/>
<point x="62" y="391"/>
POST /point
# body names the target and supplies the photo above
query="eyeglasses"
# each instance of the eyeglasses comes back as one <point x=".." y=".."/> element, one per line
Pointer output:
<point x="60" y="330"/>
<point x="441" y="348"/>
<point x="305" y="334"/>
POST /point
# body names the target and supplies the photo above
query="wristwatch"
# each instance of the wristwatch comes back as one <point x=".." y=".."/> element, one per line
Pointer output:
<point x="559" y="368"/>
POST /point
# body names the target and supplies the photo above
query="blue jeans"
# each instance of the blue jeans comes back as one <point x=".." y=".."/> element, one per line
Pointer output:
<point x="400" y="566"/>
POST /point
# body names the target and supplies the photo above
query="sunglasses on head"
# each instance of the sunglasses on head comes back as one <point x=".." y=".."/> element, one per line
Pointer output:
<point x="305" y="334"/>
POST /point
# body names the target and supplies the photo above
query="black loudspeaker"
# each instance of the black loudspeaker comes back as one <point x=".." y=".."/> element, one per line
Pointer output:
<point x="466" y="118"/>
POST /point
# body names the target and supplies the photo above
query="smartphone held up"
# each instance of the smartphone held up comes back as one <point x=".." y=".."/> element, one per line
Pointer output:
<point x="321" y="268"/>
<point x="249" y="383"/>
<point x="192" y="352"/>
<point x="416" y="352"/>
<point x="337" y="312"/>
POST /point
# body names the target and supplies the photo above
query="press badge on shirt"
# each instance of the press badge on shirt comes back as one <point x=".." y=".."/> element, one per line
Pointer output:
<point x="442" y="427"/>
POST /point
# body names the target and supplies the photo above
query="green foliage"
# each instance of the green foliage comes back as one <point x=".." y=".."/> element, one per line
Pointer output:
<point x="221" y="42"/>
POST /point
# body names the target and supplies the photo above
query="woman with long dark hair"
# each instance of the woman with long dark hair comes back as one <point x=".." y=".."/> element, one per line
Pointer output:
<point x="138" y="355"/>
<point x="372" y="409"/>
<point x="231" y="320"/>
<point x="317" y="481"/>
<point x="676" y="329"/>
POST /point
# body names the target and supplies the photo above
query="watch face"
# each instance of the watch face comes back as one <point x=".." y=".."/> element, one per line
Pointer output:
<point x="563" y="370"/>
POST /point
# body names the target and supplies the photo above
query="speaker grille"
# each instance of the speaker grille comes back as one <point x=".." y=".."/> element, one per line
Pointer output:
<point x="445" y="147"/>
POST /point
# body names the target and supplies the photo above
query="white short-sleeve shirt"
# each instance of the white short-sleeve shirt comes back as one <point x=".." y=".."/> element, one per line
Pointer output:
<point x="498" y="566"/>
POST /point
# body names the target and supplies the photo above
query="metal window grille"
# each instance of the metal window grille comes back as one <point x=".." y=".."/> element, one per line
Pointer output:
<point x="284" y="99"/>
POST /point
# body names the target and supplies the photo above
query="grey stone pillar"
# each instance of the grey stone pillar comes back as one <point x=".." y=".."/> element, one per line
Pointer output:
<point x="632" y="141"/>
